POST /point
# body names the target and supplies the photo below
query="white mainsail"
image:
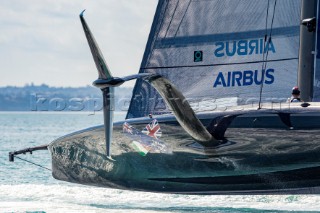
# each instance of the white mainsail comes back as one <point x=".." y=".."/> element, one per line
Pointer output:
<point x="215" y="49"/>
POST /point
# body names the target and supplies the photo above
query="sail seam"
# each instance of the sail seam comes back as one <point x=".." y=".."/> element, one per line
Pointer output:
<point x="197" y="40"/>
<point x="211" y="65"/>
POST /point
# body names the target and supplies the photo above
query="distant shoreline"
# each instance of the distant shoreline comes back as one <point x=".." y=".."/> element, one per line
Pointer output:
<point x="46" y="98"/>
<point x="62" y="112"/>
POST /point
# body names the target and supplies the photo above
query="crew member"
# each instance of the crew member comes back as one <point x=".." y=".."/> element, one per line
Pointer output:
<point x="295" y="95"/>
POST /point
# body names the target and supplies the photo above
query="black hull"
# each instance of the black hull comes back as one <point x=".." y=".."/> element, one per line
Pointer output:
<point x="261" y="154"/>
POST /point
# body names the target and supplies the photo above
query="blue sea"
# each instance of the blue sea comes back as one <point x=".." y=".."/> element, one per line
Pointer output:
<point x="28" y="188"/>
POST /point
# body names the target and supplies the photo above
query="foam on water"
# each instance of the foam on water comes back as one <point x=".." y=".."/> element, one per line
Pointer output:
<point x="61" y="197"/>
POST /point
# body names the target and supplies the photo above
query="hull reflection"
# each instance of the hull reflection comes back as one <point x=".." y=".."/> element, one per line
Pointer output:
<point x="260" y="154"/>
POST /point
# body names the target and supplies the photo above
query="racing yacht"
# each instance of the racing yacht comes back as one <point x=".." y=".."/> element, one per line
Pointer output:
<point x="209" y="111"/>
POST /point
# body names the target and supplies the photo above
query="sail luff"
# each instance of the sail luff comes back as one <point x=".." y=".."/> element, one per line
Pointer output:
<point x="146" y="55"/>
<point x="316" y="82"/>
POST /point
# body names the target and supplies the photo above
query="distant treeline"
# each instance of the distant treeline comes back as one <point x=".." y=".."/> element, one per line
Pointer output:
<point x="46" y="98"/>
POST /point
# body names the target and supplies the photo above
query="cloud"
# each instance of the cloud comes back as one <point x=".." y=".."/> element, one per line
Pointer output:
<point x="42" y="41"/>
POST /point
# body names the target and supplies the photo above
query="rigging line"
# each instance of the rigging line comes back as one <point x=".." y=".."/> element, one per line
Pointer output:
<point x="162" y="20"/>
<point x="274" y="11"/>
<point x="264" y="64"/>
<point x="182" y="18"/>
<point x="172" y="18"/>
<point x="156" y="34"/>
<point x="265" y="35"/>
<point x="33" y="163"/>
<point x="263" y="56"/>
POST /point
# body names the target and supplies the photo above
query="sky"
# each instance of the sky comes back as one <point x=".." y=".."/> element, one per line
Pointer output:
<point x="42" y="41"/>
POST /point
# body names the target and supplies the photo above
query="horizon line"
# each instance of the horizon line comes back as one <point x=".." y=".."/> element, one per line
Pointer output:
<point x="50" y="86"/>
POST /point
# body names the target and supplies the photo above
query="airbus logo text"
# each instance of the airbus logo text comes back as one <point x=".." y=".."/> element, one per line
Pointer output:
<point x="243" y="47"/>
<point x="244" y="78"/>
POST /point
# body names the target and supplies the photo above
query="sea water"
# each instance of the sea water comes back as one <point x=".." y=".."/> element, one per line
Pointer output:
<point x="28" y="188"/>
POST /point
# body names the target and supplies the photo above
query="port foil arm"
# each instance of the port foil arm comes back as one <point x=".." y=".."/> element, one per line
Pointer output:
<point x="172" y="96"/>
<point x="182" y="110"/>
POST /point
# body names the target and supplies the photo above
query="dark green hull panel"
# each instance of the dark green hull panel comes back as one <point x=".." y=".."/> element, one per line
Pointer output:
<point x="260" y="154"/>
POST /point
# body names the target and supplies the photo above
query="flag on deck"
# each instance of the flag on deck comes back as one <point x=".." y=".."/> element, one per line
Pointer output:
<point x="153" y="129"/>
<point x="127" y="128"/>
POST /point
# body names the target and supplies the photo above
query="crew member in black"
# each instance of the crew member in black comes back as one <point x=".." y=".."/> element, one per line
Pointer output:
<point x="295" y="95"/>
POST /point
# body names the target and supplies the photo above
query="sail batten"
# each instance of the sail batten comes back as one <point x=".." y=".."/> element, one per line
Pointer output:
<point x="211" y="65"/>
<point x="213" y="38"/>
<point x="214" y="49"/>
